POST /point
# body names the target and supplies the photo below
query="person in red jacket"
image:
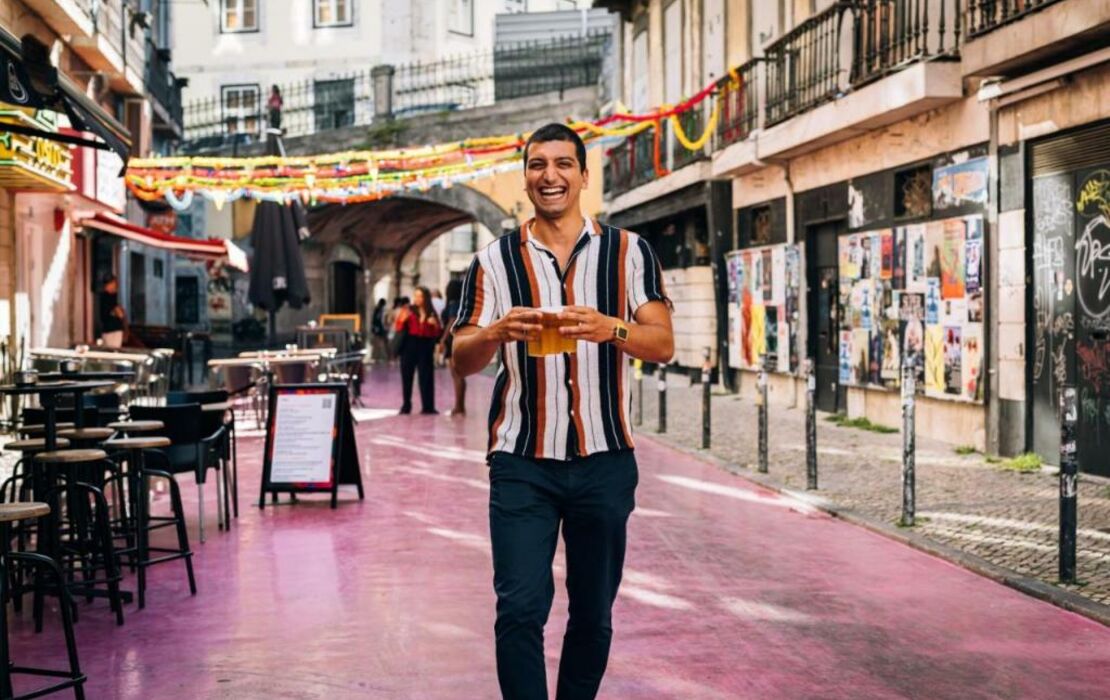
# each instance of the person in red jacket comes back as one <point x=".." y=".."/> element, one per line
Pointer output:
<point x="422" y="329"/>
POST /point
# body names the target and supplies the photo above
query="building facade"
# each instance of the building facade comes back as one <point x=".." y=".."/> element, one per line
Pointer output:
<point x="52" y="259"/>
<point x="916" y="181"/>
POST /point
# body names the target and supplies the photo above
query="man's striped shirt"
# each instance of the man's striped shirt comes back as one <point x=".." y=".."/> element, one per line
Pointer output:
<point x="573" y="404"/>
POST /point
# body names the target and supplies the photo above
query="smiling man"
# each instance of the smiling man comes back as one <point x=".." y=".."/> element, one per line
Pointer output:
<point x="560" y="442"/>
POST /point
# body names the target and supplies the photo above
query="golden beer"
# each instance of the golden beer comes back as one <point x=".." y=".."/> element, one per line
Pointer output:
<point x="550" y="342"/>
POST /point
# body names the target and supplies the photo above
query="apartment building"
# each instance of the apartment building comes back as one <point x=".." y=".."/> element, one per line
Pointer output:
<point x="919" y="182"/>
<point x="112" y="63"/>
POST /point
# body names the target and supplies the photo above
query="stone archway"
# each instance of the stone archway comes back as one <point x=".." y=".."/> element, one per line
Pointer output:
<point x="391" y="232"/>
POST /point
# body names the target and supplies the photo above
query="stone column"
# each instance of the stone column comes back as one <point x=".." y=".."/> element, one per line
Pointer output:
<point x="381" y="77"/>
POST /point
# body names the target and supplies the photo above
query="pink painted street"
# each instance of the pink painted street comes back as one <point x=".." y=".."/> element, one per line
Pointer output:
<point x="729" y="591"/>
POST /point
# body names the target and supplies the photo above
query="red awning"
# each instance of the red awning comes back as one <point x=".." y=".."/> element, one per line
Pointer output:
<point x="196" y="248"/>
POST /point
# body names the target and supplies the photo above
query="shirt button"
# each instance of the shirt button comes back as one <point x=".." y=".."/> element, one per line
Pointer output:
<point x="570" y="381"/>
<point x="572" y="411"/>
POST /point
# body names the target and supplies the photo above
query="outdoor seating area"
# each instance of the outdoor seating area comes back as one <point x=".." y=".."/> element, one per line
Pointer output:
<point x="93" y="447"/>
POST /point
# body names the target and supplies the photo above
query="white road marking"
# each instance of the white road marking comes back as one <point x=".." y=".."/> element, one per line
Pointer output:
<point x="429" y="474"/>
<point x="753" y="610"/>
<point x="1010" y="523"/>
<point x="737" y="493"/>
<point x="658" y="600"/>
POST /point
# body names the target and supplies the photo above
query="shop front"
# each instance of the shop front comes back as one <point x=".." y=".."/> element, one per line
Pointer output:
<point x="1069" y="338"/>
<point x="885" y="268"/>
<point x="40" y="251"/>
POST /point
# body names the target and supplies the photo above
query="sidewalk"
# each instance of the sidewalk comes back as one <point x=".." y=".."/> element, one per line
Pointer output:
<point x="964" y="503"/>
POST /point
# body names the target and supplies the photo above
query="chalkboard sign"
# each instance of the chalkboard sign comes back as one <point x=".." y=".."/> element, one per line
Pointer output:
<point x="310" y="442"/>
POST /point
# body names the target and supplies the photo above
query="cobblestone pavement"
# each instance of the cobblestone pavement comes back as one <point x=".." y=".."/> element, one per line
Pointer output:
<point x="1006" y="517"/>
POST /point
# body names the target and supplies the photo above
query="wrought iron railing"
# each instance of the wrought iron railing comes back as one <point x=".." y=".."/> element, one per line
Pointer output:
<point x="507" y="72"/>
<point x="630" y="163"/>
<point x="693" y="122"/>
<point x="463" y="82"/>
<point x="889" y="34"/>
<point x="738" y="110"/>
<point x="987" y="15"/>
<point x="162" y="85"/>
<point x="803" y="68"/>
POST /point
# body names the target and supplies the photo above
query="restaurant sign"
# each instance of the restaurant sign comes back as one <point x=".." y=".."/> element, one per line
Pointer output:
<point x="33" y="162"/>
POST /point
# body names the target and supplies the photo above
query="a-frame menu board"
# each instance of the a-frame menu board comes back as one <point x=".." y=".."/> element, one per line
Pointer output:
<point x="310" y="442"/>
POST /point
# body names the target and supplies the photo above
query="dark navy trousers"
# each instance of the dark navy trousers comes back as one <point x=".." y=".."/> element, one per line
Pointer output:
<point x="591" y="499"/>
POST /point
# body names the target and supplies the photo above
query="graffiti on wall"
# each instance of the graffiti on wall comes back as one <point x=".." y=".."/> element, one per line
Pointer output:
<point x="914" y="291"/>
<point x="1092" y="284"/>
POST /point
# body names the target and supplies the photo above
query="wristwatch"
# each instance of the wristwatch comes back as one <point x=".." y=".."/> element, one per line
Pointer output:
<point x="620" y="332"/>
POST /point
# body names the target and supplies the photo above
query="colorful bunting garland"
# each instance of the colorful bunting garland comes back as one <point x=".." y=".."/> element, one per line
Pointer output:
<point x="360" y="176"/>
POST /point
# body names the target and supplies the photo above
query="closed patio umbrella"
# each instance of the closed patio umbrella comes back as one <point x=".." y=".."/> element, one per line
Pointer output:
<point x="277" y="269"/>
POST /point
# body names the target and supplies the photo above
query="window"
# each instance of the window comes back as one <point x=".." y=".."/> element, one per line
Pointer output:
<point x="672" y="53"/>
<point x="913" y="192"/>
<point x="238" y="16"/>
<point x="640" y="73"/>
<point x="460" y="19"/>
<point x="765" y="19"/>
<point x="186" y="300"/>
<point x="242" y="109"/>
<point x="334" y="103"/>
<point x="159" y="269"/>
<point x="332" y="13"/>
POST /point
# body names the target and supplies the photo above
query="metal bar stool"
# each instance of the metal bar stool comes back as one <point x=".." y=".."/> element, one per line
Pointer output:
<point x="17" y="488"/>
<point x="78" y="536"/>
<point x="138" y="480"/>
<point x="86" y="437"/>
<point x="73" y="678"/>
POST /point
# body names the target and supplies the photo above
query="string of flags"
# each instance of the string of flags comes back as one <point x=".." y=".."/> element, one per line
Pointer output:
<point x="351" y="177"/>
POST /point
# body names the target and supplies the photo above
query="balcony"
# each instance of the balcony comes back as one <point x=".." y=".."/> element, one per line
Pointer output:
<point x="630" y="164"/>
<point x="164" y="90"/>
<point x="738" y="100"/>
<point x="100" y="35"/>
<point x="855" y="66"/>
<point x="1009" y="37"/>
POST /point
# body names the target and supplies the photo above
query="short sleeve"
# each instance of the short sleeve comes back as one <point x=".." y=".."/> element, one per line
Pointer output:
<point x="645" y="275"/>
<point x="478" y="305"/>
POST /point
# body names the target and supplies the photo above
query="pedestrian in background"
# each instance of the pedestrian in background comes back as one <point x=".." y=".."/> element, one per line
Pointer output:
<point x="393" y="344"/>
<point x="113" y="319"/>
<point x="438" y="302"/>
<point x="274" y="105"/>
<point x="378" y="334"/>
<point x="421" y="328"/>
<point x="450" y="313"/>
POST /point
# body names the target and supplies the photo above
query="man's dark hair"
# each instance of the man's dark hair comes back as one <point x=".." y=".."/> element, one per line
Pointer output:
<point x="558" y="132"/>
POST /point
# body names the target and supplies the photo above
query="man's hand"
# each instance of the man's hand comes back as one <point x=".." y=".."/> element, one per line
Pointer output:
<point x="521" y="323"/>
<point x="590" y="324"/>
<point x="474" y="347"/>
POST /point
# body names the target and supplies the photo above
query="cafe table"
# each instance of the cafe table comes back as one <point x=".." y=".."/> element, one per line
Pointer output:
<point x="115" y="376"/>
<point x="99" y="355"/>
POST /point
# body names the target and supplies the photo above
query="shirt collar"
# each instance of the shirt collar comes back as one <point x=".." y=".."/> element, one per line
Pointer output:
<point x="591" y="228"/>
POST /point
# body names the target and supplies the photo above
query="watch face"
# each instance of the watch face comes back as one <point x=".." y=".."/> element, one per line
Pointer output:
<point x="622" y="333"/>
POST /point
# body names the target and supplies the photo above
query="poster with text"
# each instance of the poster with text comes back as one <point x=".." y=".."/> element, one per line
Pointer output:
<point x="934" y="361"/>
<point x="952" y="268"/>
<point x="915" y="258"/>
<point x="972" y="361"/>
<point x="953" y="356"/>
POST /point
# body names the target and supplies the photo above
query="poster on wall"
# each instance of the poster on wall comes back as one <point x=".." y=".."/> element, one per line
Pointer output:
<point x="915" y="257"/>
<point x="768" y="281"/>
<point x="952" y="268"/>
<point x="961" y="184"/>
<point x="917" y="293"/>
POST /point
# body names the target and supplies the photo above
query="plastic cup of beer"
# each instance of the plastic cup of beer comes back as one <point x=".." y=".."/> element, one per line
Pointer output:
<point x="550" y="342"/>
